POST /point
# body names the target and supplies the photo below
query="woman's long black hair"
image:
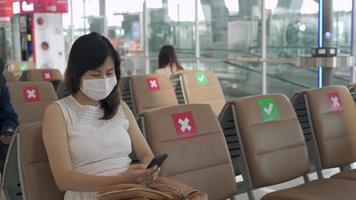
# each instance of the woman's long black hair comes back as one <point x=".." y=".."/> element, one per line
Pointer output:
<point x="89" y="52"/>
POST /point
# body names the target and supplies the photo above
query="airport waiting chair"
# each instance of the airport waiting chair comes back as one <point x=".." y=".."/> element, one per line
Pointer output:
<point x="197" y="154"/>
<point x="332" y="112"/>
<point x="274" y="151"/>
<point x="49" y="74"/>
<point x="27" y="172"/>
<point x="18" y="66"/>
<point x="30" y="99"/>
<point x="193" y="86"/>
<point x="9" y="76"/>
<point x="145" y="92"/>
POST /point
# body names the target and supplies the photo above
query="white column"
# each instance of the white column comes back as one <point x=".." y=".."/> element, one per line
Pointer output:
<point x="353" y="41"/>
<point x="145" y="31"/>
<point x="264" y="48"/>
<point x="71" y="33"/>
<point x="197" y="37"/>
<point x="102" y="9"/>
<point x="84" y="18"/>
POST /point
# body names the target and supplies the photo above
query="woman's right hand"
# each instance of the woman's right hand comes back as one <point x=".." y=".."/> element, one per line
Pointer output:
<point x="139" y="174"/>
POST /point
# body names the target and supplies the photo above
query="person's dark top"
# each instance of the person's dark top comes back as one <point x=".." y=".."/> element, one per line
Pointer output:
<point x="8" y="117"/>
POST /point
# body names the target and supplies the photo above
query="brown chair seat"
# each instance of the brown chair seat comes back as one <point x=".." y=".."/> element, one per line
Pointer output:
<point x="203" y="91"/>
<point x="351" y="175"/>
<point x="35" y="173"/>
<point x="49" y="74"/>
<point x="30" y="99"/>
<point x="326" y="189"/>
<point x="9" y="76"/>
<point x="141" y="94"/>
<point x="332" y="111"/>
<point x="275" y="151"/>
<point x="198" y="156"/>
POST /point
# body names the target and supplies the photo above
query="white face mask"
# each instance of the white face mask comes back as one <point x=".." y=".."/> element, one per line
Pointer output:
<point x="98" y="89"/>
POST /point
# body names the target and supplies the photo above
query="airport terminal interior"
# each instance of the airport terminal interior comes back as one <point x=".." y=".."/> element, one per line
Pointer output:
<point x="250" y="99"/>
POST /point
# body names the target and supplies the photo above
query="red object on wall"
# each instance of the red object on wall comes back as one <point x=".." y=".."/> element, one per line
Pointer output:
<point x="42" y="6"/>
<point x="5" y="8"/>
<point x="51" y="6"/>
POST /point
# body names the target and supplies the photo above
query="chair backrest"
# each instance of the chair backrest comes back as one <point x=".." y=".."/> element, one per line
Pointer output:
<point x="42" y="75"/>
<point x="273" y="144"/>
<point x="201" y="87"/>
<point x="151" y="91"/>
<point x="36" y="177"/>
<point x="19" y="66"/>
<point x="333" y="113"/>
<point x="30" y="99"/>
<point x="197" y="153"/>
<point x="9" y="76"/>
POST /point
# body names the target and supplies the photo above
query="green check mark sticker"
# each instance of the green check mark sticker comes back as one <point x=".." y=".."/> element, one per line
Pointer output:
<point x="23" y="67"/>
<point x="201" y="78"/>
<point x="269" y="109"/>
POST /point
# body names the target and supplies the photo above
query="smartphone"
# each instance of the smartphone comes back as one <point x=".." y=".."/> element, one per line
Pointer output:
<point x="157" y="161"/>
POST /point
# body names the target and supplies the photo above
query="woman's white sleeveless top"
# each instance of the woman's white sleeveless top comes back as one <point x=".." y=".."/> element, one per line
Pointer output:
<point x="96" y="147"/>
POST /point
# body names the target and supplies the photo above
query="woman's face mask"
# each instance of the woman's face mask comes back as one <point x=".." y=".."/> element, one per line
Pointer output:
<point x="98" y="89"/>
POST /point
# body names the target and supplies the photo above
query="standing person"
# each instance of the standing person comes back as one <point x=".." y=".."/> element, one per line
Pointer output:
<point x="8" y="117"/>
<point x="87" y="135"/>
<point x="167" y="61"/>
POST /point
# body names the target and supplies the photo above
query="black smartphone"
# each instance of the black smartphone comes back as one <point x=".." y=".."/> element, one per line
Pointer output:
<point x="157" y="161"/>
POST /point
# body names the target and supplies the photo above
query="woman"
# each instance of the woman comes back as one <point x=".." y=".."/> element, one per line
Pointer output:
<point x="167" y="61"/>
<point x="87" y="134"/>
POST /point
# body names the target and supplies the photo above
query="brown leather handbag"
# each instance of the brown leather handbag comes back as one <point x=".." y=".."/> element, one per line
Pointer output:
<point x="161" y="189"/>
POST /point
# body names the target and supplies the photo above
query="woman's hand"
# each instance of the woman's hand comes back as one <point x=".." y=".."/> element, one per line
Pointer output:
<point x="5" y="139"/>
<point x="139" y="174"/>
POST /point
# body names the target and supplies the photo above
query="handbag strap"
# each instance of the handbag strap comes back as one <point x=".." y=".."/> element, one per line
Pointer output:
<point x="136" y="192"/>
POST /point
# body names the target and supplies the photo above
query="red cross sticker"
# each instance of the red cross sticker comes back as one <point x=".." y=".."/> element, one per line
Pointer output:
<point x="47" y="75"/>
<point x="153" y="83"/>
<point x="184" y="124"/>
<point x="335" y="102"/>
<point x="31" y="94"/>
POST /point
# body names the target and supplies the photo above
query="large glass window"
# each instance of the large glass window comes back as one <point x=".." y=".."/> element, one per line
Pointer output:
<point x="342" y="16"/>
<point x="292" y="31"/>
<point x="172" y="22"/>
<point x="230" y="33"/>
<point x="292" y="27"/>
<point x="230" y="28"/>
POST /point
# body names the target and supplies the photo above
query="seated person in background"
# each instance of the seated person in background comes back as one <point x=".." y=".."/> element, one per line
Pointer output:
<point x="167" y="61"/>
<point x="87" y="135"/>
<point x="8" y="117"/>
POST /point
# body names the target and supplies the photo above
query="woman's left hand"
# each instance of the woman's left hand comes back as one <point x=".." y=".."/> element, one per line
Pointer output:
<point x="150" y="178"/>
